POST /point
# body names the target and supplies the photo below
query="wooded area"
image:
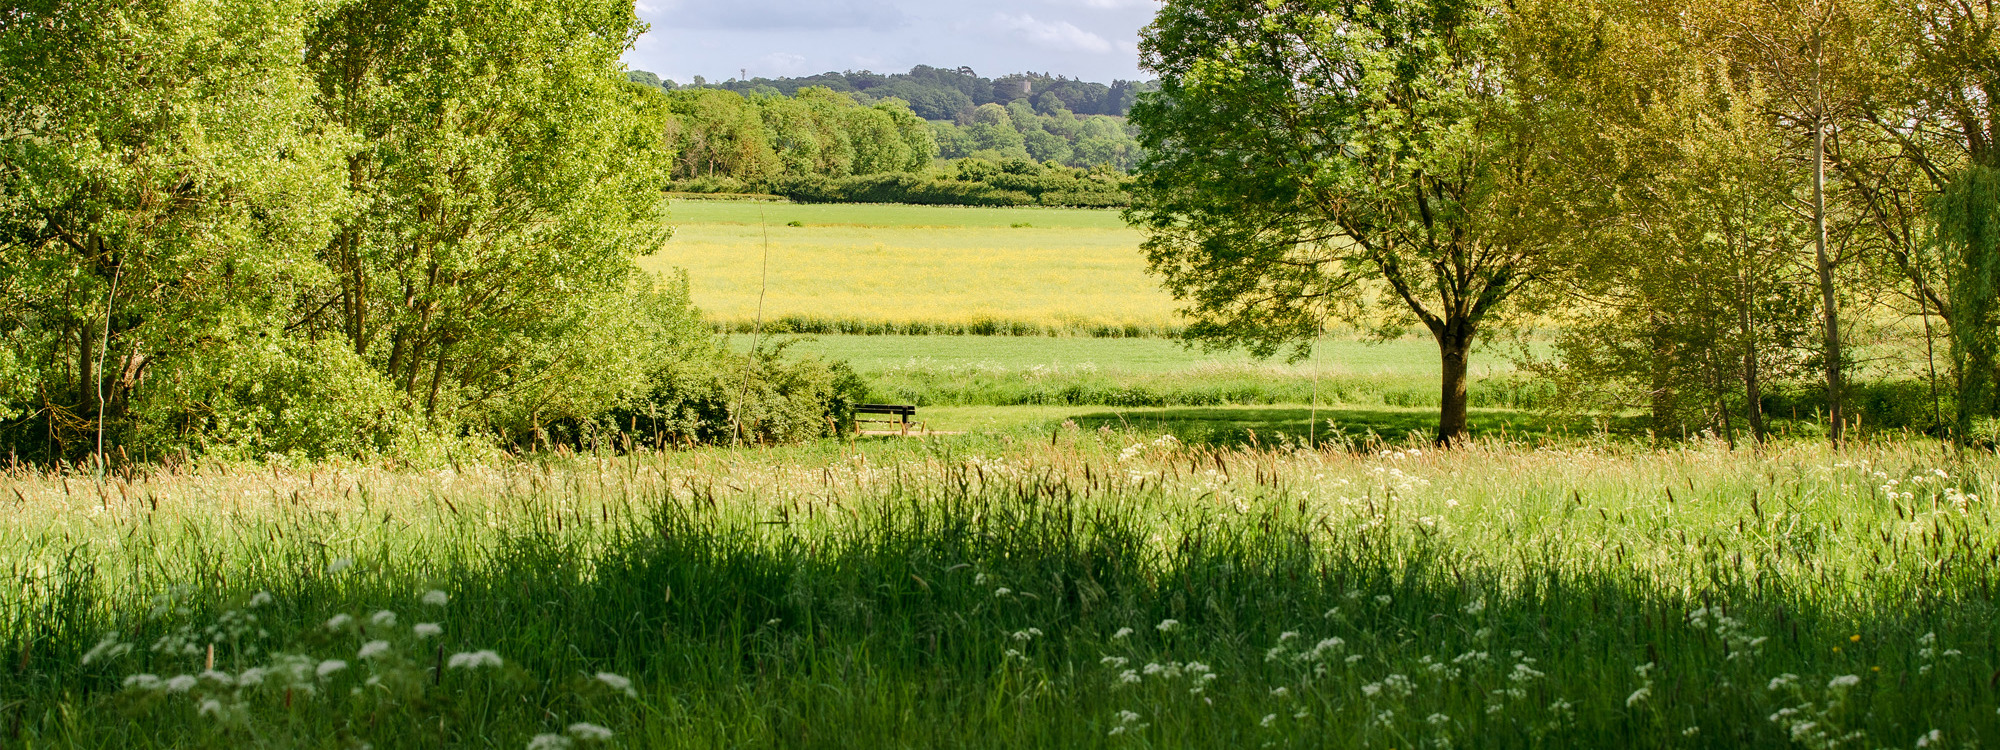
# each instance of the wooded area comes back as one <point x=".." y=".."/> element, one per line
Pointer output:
<point x="1699" y="199"/>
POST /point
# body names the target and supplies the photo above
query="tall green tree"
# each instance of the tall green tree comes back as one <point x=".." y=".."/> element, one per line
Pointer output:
<point x="1298" y="149"/>
<point x="164" y="182"/>
<point x="509" y="177"/>
<point x="1941" y="118"/>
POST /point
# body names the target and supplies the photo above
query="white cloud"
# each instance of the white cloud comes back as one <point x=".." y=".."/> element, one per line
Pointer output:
<point x="1057" y="35"/>
<point x="779" y="64"/>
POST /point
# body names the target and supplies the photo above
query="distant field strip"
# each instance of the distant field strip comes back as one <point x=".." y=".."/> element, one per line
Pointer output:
<point x="944" y="269"/>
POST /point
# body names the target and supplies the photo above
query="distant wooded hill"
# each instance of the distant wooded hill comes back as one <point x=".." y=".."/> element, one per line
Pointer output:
<point x="874" y="138"/>
<point x="944" y="94"/>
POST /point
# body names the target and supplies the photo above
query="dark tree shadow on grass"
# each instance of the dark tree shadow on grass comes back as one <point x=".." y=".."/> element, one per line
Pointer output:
<point x="1235" y="426"/>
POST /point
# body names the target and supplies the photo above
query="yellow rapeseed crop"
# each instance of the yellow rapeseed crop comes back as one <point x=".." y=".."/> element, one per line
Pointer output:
<point x="902" y="264"/>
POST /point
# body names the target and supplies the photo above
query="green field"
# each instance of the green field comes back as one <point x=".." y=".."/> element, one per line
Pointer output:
<point x="1085" y="588"/>
<point x="1061" y="268"/>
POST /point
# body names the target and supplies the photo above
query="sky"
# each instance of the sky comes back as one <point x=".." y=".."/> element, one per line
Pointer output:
<point x="1094" y="40"/>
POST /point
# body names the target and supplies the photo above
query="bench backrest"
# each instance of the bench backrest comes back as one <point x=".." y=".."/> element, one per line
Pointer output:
<point x="904" y="409"/>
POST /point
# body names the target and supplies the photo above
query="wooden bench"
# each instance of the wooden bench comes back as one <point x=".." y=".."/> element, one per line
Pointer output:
<point x="902" y="412"/>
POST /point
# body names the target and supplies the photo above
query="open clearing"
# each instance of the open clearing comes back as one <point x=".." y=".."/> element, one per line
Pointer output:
<point x="898" y="264"/>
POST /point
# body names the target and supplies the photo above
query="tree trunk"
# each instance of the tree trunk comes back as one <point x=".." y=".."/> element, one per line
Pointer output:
<point x="1753" y="393"/>
<point x="1834" y="388"/>
<point x="1660" y="391"/>
<point x="1455" y="350"/>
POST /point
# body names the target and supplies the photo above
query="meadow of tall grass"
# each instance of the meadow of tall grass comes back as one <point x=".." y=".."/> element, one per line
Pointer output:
<point x="1090" y="587"/>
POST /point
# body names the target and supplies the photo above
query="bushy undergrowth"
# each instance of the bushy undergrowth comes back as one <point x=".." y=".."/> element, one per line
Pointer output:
<point x="1111" y="590"/>
<point x="965" y="182"/>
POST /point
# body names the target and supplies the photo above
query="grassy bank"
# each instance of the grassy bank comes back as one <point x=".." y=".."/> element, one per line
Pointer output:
<point x="1102" y="588"/>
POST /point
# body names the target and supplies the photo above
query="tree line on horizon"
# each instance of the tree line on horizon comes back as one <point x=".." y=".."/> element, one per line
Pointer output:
<point x="940" y="93"/>
<point x="819" y="144"/>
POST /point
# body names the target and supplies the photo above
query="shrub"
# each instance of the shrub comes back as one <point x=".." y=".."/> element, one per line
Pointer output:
<point x="764" y="395"/>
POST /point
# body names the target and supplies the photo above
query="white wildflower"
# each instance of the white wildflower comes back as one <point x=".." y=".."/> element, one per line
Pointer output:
<point x="329" y="667"/>
<point x="1783" y="681"/>
<point x="549" y="742"/>
<point x="383" y="619"/>
<point x="1843" y="681"/>
<point x="1383" y="599"/>
<point x="1287" y="635"/>
<point x="1268" y="720"/>
<point x="1690" y="731"/>
<point x="219" y="678"/>
<point x="251" y="677"/>
<point x="1122" y="634"/>
<point x="1931" y="738"/>
<point x="1474" y="607"/>
<point x="1437" y="720"/>
<point x="1114" y="662"/>
<point x="180" y="683"/>
<point x="260" y="599"/>
<point x="1127" y="717"/>
<point x="473" y="660"/>
<point x="143" y="682"/>
<point x="373" y="649"/>
<point x="1638" y="696"/>
<point x="339" y="565"/>
<point x="1003" y="591"/>
<point x="108" y="648"/>
<point x="1128" y="677"/>
<point x="214" y="707"/>
<point x="427" y="629"/>
<point x="618" y="683"/>
<point x="339" y="621"/>
<point x="589" y="732"/>
<point x="436" y="598"/>
<point x="1281" y="692"/>
<point x="1168" y="625"/>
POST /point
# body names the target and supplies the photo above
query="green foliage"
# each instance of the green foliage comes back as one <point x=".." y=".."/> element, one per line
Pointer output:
<point x="166" y="182"/>
<point x="1304" y="158"/>
<point x="942" y="94"/>
<point x="299" y="230"/>
<point x="1967" y="213"/>
<point x="971" y="182"/>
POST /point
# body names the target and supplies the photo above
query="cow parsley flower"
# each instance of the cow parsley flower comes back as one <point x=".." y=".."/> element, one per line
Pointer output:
<point x="618" y="683"/>
<point x="436" y="598"/>
<point x="373" y="649"/>
<point x="383" y="619"/>
<point x="1168" y="625"/>
<point x="329" y="667"/>
<point x="427" y="629"/>
<point x="473" y="660"/>
<point x="589" y="732"/>
<point x="549" y="742"/>
<point x="1122" y="634"/>
<point x="339" y="621"/>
